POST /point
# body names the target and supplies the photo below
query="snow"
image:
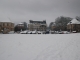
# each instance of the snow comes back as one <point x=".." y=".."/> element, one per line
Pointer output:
<point x="4" y="20"/>
<point x="39" y="32"/>
<point x="74" y="21"/>
<point x="40" y="46"/>
<point x="11" y="32"/>
<point x="29" y="32"/>
<point x="21" y="23"/>
<point x="23" y="32"/>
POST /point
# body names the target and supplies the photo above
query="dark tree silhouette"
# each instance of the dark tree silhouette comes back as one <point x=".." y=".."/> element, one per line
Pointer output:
<point x="61" y="22"/>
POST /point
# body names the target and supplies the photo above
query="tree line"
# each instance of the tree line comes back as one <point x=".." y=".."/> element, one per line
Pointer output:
<point x="61" y="22"/>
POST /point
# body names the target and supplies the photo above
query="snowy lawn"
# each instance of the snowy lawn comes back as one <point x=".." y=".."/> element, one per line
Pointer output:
<point x="40" y="47"/>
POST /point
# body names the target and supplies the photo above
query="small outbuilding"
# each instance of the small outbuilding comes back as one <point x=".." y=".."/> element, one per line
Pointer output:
<point x="73" y="25"/>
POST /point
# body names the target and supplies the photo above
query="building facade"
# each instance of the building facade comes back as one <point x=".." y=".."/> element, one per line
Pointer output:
<point x="6" y="27"/>
<point x="37" y="25"/>
<point x="73" y="25"/>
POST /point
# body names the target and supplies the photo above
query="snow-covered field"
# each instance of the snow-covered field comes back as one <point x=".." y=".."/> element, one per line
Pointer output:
<point x="40" y="47"/>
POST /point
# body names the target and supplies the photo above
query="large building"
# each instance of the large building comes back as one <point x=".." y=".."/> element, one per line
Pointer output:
<point x="74" y="25"/>
<point x="6" y="26"/>
<point x="37" y="25"/>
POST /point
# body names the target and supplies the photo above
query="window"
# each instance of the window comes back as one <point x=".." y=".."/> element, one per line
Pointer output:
<point x="7" y="24"/>
<point x="3" y="24"/>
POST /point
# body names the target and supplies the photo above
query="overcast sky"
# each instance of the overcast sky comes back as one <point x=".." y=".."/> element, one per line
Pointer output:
<point x="24" y="10"/>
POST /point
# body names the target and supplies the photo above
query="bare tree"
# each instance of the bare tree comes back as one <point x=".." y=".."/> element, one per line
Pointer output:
<point x="61" y="22"/>
<point x="78" y="18"/>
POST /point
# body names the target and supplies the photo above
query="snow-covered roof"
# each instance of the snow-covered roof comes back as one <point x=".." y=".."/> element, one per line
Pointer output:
<point x="74" y="21"/>
<point x="5" y="20"/>
<point x="20" y="23"/>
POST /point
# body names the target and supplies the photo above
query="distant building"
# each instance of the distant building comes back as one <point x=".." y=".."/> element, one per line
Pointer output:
<point x="21" y="26"/>
<point x="6" y="26"/>
<point x="74" y="25"/>
<point x="37" y="25"/>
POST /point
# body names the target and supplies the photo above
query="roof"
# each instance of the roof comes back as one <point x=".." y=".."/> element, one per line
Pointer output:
<point x="21" y="23"/>
<point x="74" y="21"/>
<point x="5" y="20"/>
<point x="42" y="22"/>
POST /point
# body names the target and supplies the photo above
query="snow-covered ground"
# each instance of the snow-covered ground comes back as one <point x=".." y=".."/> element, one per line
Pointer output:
<point x="40" y="47"/>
